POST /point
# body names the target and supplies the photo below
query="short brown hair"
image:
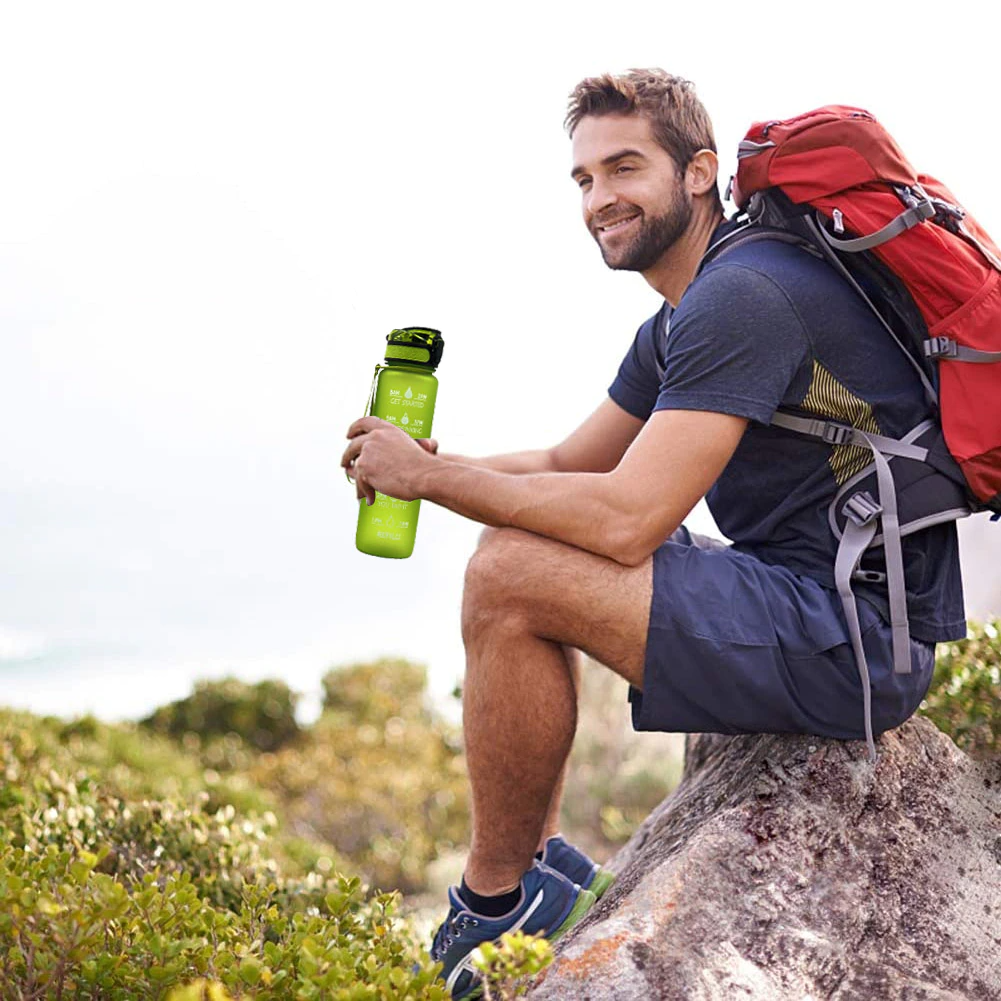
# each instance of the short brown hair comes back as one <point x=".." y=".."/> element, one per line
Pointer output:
<point x="678" y="120"/>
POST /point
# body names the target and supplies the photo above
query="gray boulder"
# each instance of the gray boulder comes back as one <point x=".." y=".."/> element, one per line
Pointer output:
<point x="789" y="868"/>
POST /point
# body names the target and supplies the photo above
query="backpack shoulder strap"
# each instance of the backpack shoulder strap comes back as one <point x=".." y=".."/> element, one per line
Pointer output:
<point x="749" y="232"/>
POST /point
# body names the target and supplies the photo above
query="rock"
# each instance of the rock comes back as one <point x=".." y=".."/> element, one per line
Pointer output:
<point x="787" y="868"/>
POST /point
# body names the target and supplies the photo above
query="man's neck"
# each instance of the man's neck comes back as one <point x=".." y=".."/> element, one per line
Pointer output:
<point x="674" y="272"/>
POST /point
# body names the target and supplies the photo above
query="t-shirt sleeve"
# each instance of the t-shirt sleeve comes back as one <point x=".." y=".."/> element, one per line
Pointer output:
<point x="637" y="383"/>
<point x="735" y="345"/>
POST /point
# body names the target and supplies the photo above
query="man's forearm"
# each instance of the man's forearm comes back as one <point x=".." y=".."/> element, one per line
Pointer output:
<point x="537" y="460"/>
<point x="576" y="508"/>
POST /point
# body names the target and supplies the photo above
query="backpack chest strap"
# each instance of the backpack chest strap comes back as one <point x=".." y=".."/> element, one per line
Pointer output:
<point x="841" y="434"/>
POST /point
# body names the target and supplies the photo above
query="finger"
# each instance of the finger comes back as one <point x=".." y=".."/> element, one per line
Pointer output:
<point x="364" y="424"/>
<point x="355" y="427"/>
<point x="351" y="452"/>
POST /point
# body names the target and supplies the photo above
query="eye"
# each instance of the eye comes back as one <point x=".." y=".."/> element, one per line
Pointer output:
<point x="623" y="167"/>
<point x="583" y="182"/>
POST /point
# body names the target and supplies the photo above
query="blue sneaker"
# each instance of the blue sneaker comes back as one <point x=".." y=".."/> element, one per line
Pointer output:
<point x="576" y="866"/>
<point x="550" y="905"/>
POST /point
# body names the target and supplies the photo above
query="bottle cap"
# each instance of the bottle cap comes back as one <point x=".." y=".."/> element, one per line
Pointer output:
<point x="416" y="346"/>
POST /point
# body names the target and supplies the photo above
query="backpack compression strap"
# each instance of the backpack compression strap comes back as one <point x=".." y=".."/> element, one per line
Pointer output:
<point x="862" y="512"/>
<point x="860" y="529"/>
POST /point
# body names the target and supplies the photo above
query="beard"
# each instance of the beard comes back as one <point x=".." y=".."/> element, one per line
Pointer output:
<point x="656" y="235"/>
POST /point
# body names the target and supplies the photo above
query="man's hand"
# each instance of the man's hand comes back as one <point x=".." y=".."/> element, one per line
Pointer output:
<point x="384" y="458"/>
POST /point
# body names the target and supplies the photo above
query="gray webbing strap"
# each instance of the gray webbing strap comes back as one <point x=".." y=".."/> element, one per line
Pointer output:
<point x="859" y="531"/>
<point x="841" y="434"/>
<point x="854" y="542"/>
<point x="747" y="147"/>
<point x="894" y="563"/>
<point x="906" y="220"/>
<point x="946" y="347"/>
<point x="964" y="353"/>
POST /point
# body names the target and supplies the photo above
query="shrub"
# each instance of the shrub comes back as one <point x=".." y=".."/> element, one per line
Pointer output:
<point x="109" y="898"/>
<point x="68" y="930"/>
<point x="617" y="775"/>
<point x="964" y="699"/>
<point x="510" y="965"/>
<point x="381" y="777"/>
<point x="131" y="762"/>
<point x="263" y="715"/>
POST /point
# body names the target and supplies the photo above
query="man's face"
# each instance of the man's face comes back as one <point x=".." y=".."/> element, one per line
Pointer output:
<point x="635" y="203"/>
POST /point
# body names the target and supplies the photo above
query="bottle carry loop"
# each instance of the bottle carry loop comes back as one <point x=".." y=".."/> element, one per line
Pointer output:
<point x="368" y="406"/>
<point x="371" y="392"/>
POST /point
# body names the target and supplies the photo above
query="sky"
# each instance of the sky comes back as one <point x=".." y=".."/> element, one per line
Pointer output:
<point x="211" y="215"/>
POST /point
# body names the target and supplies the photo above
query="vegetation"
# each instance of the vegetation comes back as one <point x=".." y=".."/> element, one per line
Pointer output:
<point x="219" y="850"/>
<point x="382" y="776"/>
<point x="262" y="715"/>
<point x="106" y="892"/>
<point x="964" y="700"/>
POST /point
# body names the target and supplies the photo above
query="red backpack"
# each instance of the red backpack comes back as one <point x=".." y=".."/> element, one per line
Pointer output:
<point x="841" y="163"/>
<point x="833" y="181"/>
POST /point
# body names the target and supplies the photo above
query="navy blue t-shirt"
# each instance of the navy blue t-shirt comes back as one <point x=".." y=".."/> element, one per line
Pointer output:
<point x="769" y="325"/>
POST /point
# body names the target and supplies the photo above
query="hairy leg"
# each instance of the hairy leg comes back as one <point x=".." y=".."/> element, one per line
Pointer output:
<point x="526" y="600"/>
<point x="551" y="826"/>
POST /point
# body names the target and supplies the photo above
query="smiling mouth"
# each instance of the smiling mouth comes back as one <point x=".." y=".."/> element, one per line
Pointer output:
<point x="611" y="227"/>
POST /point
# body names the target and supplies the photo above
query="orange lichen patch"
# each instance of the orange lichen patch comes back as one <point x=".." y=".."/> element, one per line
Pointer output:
<point x="661" y="915"/>
<point x="589" y="964"/>
<point x="659" y="902"/>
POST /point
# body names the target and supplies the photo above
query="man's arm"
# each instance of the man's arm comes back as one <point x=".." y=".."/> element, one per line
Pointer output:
<point x="596" y="446"/>
<point x="539" y="460"/>
<point x="624" y="514"/>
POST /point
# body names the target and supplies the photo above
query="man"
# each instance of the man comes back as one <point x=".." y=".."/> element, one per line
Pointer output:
<point x="588" y="552"/>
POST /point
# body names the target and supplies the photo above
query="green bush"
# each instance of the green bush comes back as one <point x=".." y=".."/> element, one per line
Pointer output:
<point x="381" y="776"/>
<point x="131" y="762"/>
<point x="617" y="776"/>
<point x="964" y="699"/>
<point x="510" y="965"/>
<point x="69" y="930"/>
<point x="263" y="715"/>
<point x="109" y="898"/>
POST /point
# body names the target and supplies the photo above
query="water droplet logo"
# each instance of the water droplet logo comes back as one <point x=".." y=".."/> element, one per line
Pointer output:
<point x="404" y="419"/>
<point x="409" y="395"/>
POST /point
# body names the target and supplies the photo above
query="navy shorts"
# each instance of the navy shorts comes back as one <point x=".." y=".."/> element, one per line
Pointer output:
<point x="735" y="645"/>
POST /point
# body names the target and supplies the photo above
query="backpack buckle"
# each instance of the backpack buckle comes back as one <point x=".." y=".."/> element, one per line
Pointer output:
<point x="862" y="508"/>
<point x="940" y="347"/>
<point x="836" y="434"/>
<point x="869" y="577"/>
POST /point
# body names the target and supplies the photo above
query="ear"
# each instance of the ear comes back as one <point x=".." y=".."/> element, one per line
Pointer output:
<point x="700" y="174"/>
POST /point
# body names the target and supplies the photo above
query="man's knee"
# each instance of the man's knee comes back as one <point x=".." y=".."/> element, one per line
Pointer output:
<point x="489" y="533"/>
<point x="499" y="554"/>
<point x="491" y="582"/>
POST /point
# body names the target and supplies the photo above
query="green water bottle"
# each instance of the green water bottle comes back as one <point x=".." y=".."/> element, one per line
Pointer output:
<point x="403" y="392"/>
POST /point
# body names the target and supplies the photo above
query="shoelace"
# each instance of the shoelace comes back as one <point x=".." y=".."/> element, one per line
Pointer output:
<point x="450" y="930"/>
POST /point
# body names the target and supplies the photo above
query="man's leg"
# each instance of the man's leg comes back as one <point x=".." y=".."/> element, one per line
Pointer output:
<point x="575" y="661"/>
<point x="526" y="598"/>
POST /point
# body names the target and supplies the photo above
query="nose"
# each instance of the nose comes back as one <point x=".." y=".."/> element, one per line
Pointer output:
<point x="599" y="197"/>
